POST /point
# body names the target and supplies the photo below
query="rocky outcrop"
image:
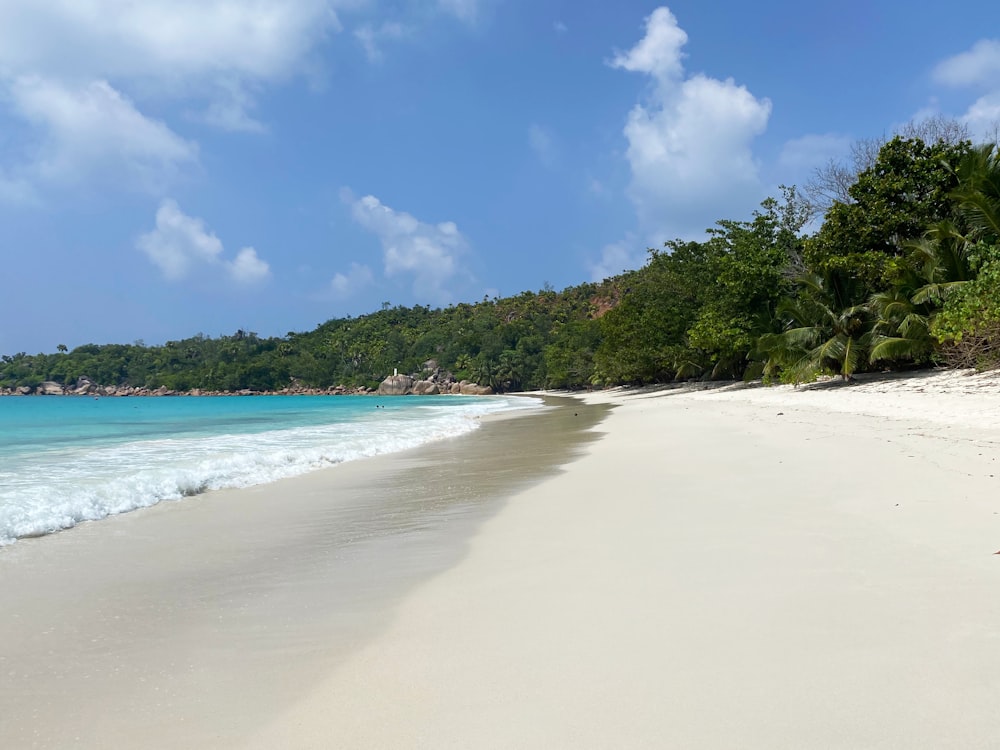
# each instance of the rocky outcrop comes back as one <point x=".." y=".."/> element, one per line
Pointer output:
<point x="395" y="385"/>
<point x="425" y="388"/>
<point x="402" y="385"/>
<point x="431" y="382"/>
<point x="86" y="387"/>
<point x="474" y="389"/>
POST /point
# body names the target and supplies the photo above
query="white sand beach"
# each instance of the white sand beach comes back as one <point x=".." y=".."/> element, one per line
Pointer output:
<point x="763" y="568"/>
<point x="723" y="568"/>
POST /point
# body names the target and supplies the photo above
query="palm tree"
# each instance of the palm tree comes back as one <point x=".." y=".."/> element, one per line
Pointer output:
<point x="820" y="334"/>
<point x="940" y="264"/>
<point x="978" y="192"/>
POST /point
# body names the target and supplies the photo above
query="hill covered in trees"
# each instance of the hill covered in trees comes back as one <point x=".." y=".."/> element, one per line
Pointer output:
<point x="902" y="271"/>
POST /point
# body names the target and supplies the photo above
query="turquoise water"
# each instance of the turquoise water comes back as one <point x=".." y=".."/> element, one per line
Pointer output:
<point x="69" y="459"/>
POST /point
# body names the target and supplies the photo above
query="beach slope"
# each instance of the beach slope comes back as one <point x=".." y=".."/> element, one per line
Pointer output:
<point x="763" y="568"/>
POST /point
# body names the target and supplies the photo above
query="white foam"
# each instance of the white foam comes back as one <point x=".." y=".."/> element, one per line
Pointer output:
<point x="54" y="491"/>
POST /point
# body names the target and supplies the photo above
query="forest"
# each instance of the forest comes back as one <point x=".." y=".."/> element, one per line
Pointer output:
<point x="887" y="260"/>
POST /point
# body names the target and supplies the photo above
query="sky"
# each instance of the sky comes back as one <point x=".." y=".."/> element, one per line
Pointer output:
<point x="175" y="167"/>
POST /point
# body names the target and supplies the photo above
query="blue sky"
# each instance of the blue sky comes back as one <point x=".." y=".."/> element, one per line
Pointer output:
<point x="171" y="167"/>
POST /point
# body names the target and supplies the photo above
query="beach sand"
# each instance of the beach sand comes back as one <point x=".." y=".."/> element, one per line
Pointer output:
<point x="718" y="568"/>
<point x="193" y="623"/>
<point x="766" y="568"/>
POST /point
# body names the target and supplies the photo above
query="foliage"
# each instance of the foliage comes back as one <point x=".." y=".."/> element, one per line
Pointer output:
<point x="969" y="323"/>
<point x="643" y="337"/>
<point x="904" y="192"/>
<point x="822" y="334"/>
<point x="498" y="342"/>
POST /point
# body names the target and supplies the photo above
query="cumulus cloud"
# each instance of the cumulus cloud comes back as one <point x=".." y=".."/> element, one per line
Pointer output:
<point x="658" y="53"/>
<point x="178" y="39"/>
<point x="91" y="128"/>
<point x="427" y="253"/>
<point x="356" y="278"/>
<point x="689" y="145"/>
<point x="247" y="267"/>
<point x="79" y="71"/>
<point x="181" y="244"/>
<point x="977" y="68"/>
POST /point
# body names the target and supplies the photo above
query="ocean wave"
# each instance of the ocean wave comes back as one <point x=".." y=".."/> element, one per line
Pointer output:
<point x="52" y="491"/>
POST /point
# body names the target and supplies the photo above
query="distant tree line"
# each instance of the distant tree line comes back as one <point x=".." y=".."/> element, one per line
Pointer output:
<point x="903" y="270"/>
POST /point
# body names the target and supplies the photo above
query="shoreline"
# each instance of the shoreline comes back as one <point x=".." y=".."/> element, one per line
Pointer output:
<point x="696" y="567"/>
<point x="722" y="568"/>
<point x="187" y="624"/>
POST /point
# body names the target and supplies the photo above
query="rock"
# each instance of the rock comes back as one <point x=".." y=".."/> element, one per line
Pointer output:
<point x="49" y="388"/>
<point x="455" y="388"/>
<point x="85" y="386"/>
<point x="426" y="388"/>
<point x="474" y="389"/>
<point x="395" y="385"/>
<point x="23" y="390"/>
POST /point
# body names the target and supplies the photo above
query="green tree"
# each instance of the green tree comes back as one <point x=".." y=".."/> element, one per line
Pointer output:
<point x="643" y="338"/>
<point x="748" y="274"/>
<point x="905" y="191"/>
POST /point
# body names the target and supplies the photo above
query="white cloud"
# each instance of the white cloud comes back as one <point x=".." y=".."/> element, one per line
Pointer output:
<point x="82" y="72"/>
<point x="979" y="66"/>
<point x="560" y="28"/>
<point x="371" y="38"/>
<point x="983" y="117"/>
<point x="658" y="53"/>
<point x="615" y="258"/>
<point x="429" y="253"/>
<point x="180" y="244"/>
<point x="93" y="129"/>
<point x="689" y="146"/>
<point x="347" y="284"/>
<point x="212" y="51"/>
<point x="247" y="267"/>
<point x="179" y="39"/>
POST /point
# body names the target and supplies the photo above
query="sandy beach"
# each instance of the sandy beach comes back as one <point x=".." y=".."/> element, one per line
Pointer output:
<point x="767" y="568"/>
<point x="697" y="568"/>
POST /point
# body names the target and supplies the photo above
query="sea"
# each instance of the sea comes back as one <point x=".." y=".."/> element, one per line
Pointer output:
<point x="68" y="459"/>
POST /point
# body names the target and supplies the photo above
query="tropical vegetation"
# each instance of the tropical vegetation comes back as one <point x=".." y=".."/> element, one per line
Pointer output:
<point x="891" y="261"/>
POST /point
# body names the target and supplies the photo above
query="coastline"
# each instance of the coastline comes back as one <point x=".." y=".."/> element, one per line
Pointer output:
<point x="726" y="568"/>
<point x="702" y="567"/>
<point x="189" y="623"/>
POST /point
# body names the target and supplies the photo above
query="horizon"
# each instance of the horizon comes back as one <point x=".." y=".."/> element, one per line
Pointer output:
<point x="271" y="170"/>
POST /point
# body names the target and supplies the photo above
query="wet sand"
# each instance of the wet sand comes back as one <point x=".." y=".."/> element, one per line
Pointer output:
<point x="193" y="624"/>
